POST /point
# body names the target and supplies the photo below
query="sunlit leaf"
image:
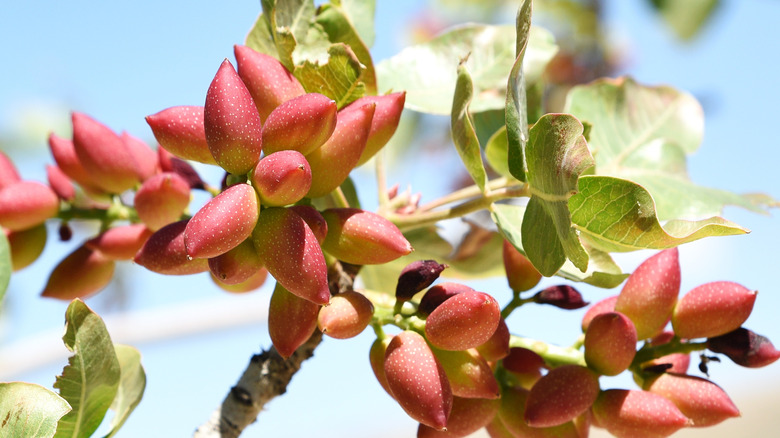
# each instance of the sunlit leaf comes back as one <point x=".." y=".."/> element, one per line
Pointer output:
<point x="260" y="37"/>
<point x="340" y="78"/>
<point x="644" y="134"/>
<point x="29" y="411"/>
<point x="131" y="386"/>
<point x="516" y="106"/>
<point x="556" y="154"/>
<point x="427" y="71"/>
<point x="361" y="15"/>
<point x="463" y="134"/>
<point x="496" y="151"/>
<point x="602" y="270"/>
<point x="686" y="18"/>
<point x="286" y="22"/>
<point x="618" y="215"/>
<point x="340" y="30"/>
<point x="5" y="265"/>
<point x="90" y="380"/>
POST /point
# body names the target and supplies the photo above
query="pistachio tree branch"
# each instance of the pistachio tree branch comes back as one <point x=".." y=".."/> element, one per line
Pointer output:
<point x="267" y="375"/>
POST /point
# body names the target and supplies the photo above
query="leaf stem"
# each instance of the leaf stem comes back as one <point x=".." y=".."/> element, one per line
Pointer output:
<point x="468" y="192"/>
<point x="553" y="355"/>
<point x="381" y="179"/>
<point x="514" y="304"/>
<point x="339" y="198"/>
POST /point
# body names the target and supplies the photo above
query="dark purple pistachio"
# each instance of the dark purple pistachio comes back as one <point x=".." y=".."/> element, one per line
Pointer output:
<point x="415" y="277"/>
<point x="565" y="297"/>
<point x="745" y="348"/>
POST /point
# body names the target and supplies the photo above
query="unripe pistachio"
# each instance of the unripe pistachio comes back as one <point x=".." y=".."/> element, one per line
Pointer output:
<point x="745" y="348"/>
<point x="637" y="414"/>
<point x="520" y="272"/>
<point x="561" y="296"/>
<point x="384" y="123"/>
<point x="346" y="316"/>
<point x="468" y="415"/>
<point x="525" y="365"/>
<point x="282" y="178"/>
<point x="610" y="343"/>
<point x="60" y="183"/>
<point x="223" y="223"/>
<point x="180" y="130"/>
<point x="300" y="124"/>
<point x="464" y="321"/>
<point x="417" y="380"/>
<point x="232" y="123"/>
<point x="64" y="153"/>
<point x="80" y="274"/>
<point x="120" y="243"/>
<point x="332" y="162"/>
<point x="363" y="238"/>
<point x="8" y="172"/>
<point x="250" y="284"/>
<point x="415" y="277"/>
<point x="514" y="402"/>
<point x="469" y="374"/>
<point x="237" y="265"/>
<point x="291" y="320"/>
<point x="560" y="396"/>
<point x="267" y="80"/>
<point x="650" y="293"/>
<point x="25" y="204"/>
<point x="109" y="163"/>
<point x="440" y="293"/>
<point x="26" y="245"/>
<point x="497" y="347"/>
<point x="604" y="306"/>
<point x="162" y="199"/>
<point x="169" y="163"/>
<point x="679" y="361"/>
<point x="712" y="309"/>
<point x="702" y="401"/>
<point x="144" y="157"/>
<point x="313" y="219"/>
<point x="289" y="250"/>
<point x="164" y="252"/>
<point x="376" y="356"/>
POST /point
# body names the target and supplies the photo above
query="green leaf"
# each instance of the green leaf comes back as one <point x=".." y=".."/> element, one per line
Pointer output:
<point x="340" y="29"/>
<point x="260" y="37"/>
<point x="340" y="78"/>
<point x="479" y="256"/>
<point x="361" y="14"/>
<point x="427" y="71"/>
<point x="618" y="215"/>
<point x="516" y="106"/>
<point x="131" y="386"/>
<point x="90" y="380"/>
<point x="5" y="266"/>
<point x="463" y="134"/>
<point x="602" y="270"/>
<point x="686" y="18"/>
<point x="644" y="134"/>
<point x="287" y="22"/>
<point x="496" y="152"/>
<point x="29" y="411"/>
<point x="556" y="154"/>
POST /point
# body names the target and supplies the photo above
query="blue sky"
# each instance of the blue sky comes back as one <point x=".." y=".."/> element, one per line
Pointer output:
<point x="122" y="61"/>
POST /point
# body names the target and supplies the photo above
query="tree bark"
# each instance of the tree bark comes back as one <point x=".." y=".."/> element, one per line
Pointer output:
<point x="267" y="375"/>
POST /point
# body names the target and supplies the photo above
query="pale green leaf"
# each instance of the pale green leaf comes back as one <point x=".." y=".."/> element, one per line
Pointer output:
<point x="287" y="22"/>
<point x="427" y="71"/>
<point x="340" y="29"/>
<point x="496" y="151"/>
<point x="686" y="18"/>
<point x="619" y="215"/>
<point x="131" y="386"/>
<point x="260" y="38"/>
<point x="361" y="15"/>
<point x="516" y="105"/>
<point x="340" y="78"/>
<point x="463" y="134"/>
<point x="644" y="134"/>
<point x="29" y="411"/>
<point x="5" y="266"/>
<point x="602" y="270"/>
<point x="90" y="380"/>
<point x="557" y="155"/>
